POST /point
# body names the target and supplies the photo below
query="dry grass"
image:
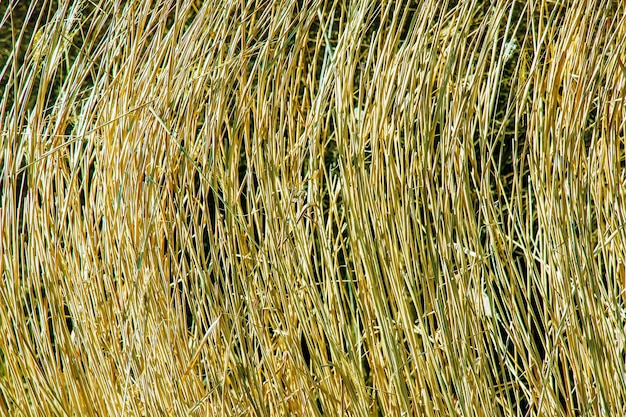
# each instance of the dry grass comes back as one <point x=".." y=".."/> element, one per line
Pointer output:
<point x="313" y="208"/>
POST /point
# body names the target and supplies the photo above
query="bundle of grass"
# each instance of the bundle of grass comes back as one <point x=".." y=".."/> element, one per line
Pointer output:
<point x="312" y="208"/>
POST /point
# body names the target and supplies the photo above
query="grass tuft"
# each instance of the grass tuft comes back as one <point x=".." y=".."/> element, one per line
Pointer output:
<point x="312" y="208"/>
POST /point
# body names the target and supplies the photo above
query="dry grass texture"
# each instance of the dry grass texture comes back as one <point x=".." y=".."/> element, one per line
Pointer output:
<point x="313" y="208"/>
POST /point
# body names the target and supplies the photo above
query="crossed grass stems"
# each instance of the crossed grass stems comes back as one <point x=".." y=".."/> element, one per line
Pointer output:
<point x="313" y="208"/>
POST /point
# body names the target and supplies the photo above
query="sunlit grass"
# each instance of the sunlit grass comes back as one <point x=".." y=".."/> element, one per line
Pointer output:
<point x="313" y="208"/>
